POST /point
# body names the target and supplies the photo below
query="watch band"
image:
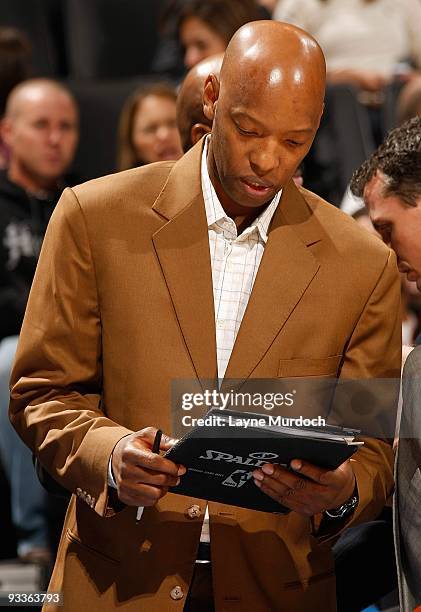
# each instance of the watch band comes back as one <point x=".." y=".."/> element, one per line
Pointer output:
<point x="346" y="508"/>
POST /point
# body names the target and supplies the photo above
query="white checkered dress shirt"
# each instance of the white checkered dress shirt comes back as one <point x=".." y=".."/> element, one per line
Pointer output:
<point x="235" y="261"/>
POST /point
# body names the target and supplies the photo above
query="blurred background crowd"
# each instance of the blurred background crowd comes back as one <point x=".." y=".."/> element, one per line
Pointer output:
<point x="90" y="87"/>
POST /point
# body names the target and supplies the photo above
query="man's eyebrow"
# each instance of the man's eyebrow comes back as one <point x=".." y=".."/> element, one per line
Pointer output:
<point x="239" y="114"/>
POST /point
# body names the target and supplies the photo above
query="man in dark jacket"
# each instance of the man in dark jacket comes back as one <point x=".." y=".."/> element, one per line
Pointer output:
<point x="41" y="131"/>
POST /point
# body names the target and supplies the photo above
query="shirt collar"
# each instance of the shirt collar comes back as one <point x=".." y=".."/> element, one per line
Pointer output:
<point x="215" y="211"/>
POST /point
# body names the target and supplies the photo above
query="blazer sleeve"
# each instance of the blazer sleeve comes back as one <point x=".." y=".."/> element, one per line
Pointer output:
<point x="56" y="403"/>
<point x="367" y="397"/>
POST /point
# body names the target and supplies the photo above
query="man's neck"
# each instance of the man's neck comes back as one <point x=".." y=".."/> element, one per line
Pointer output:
<point x="30" y="183"/>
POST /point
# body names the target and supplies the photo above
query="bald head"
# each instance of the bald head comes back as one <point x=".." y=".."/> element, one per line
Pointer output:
<point x="191" y="121"/>
<point x="266" y="109"/>
<point x="270" y="58"/>
<point x="33" y="91"/>
<point x="40" y="129"/>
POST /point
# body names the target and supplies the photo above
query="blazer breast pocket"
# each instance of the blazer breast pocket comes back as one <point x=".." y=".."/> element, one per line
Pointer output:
<point x="309" y="367"/>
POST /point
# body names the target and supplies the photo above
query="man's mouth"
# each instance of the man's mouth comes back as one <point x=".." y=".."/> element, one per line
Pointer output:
<point x="256" y="186"/>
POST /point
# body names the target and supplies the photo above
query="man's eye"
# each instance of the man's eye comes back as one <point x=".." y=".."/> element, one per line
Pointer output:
<point x="245" y="132"/>
<point x="294" y="143"/>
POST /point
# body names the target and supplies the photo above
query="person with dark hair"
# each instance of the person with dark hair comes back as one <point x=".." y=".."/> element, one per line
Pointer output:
<point x="215" y="270"/>
<point x="147" y="130"/>
<point x="40" y="128"/>
<point x="390" y="182"/>
<point x="205" y="27"/>
<point x="15" y="66"/>
<point x="15" y="61"/>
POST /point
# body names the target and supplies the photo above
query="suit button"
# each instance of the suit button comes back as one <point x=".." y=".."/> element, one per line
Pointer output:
<point x="194" y="511"/>
<point x="177" y="593"/>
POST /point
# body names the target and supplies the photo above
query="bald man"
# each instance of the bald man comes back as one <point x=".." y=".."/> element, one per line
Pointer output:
<point x="215" y="266"/>
<point x="191" y="121"/>
<point x="40" y="129"/>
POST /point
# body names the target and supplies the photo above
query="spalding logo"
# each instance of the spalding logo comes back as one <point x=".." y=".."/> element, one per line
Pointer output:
<point x="256" y="458"/>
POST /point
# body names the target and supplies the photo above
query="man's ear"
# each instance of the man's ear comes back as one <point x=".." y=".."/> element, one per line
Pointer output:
<point x="210" y="96"/>
<point x="197" y="131"/>
<point x="6" y="131"/>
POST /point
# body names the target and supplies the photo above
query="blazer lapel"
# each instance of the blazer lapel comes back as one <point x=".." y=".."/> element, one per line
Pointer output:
<point x="286" y="270"/>
<point x="182" y="248"/>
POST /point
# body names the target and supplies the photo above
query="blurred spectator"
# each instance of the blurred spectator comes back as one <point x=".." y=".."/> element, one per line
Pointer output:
<point x="41" y="130"/>
<point x="268" y="5"/>
<point x="206" y="26"/>
<point x="409" y="101"/>
<point x="15" y="66"/>
<point x="370" y="47"/>
<point x="148" y="130"/>
<point x="364" y="41"/>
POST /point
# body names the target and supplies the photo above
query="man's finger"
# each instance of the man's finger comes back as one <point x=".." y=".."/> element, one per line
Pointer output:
<point x="148" y="435"/>
<point x="278" y="489"/>
<point x="136" y="475"/>
<point x="141" y="494"/>
<point x="152" y="461"/>
<point x="167" y="442"/>
<point x="316" y="473"/>
<point x="282" y="475"/>
<point x="289" y="499"/>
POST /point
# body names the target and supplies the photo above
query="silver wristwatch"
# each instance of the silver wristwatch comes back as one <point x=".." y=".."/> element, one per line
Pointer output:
<point x="346" y="508"/>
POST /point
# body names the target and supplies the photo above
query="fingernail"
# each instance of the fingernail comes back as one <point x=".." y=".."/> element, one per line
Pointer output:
<point x="268" y="469"/>
<point x="178" y="481"/>
<point x="181" y="470"/>
<point x="296" y="464"/>
<point x="258" y="475"/>
<point x="258" y="483"/>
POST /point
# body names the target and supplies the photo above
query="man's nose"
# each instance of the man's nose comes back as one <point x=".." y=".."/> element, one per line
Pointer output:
<point x="192" y="57"/>
<point x="163" y="132"/>
<point x="54" y="136"/>
<point x="263" y="161"/>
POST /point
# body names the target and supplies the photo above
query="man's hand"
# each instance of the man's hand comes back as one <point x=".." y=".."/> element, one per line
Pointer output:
<point x="368" y="80"/>
<point x="327" y="489"/>
<point x="143" y="477"/>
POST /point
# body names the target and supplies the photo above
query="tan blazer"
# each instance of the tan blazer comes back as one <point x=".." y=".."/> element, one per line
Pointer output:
<point x="122" y="305"/>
